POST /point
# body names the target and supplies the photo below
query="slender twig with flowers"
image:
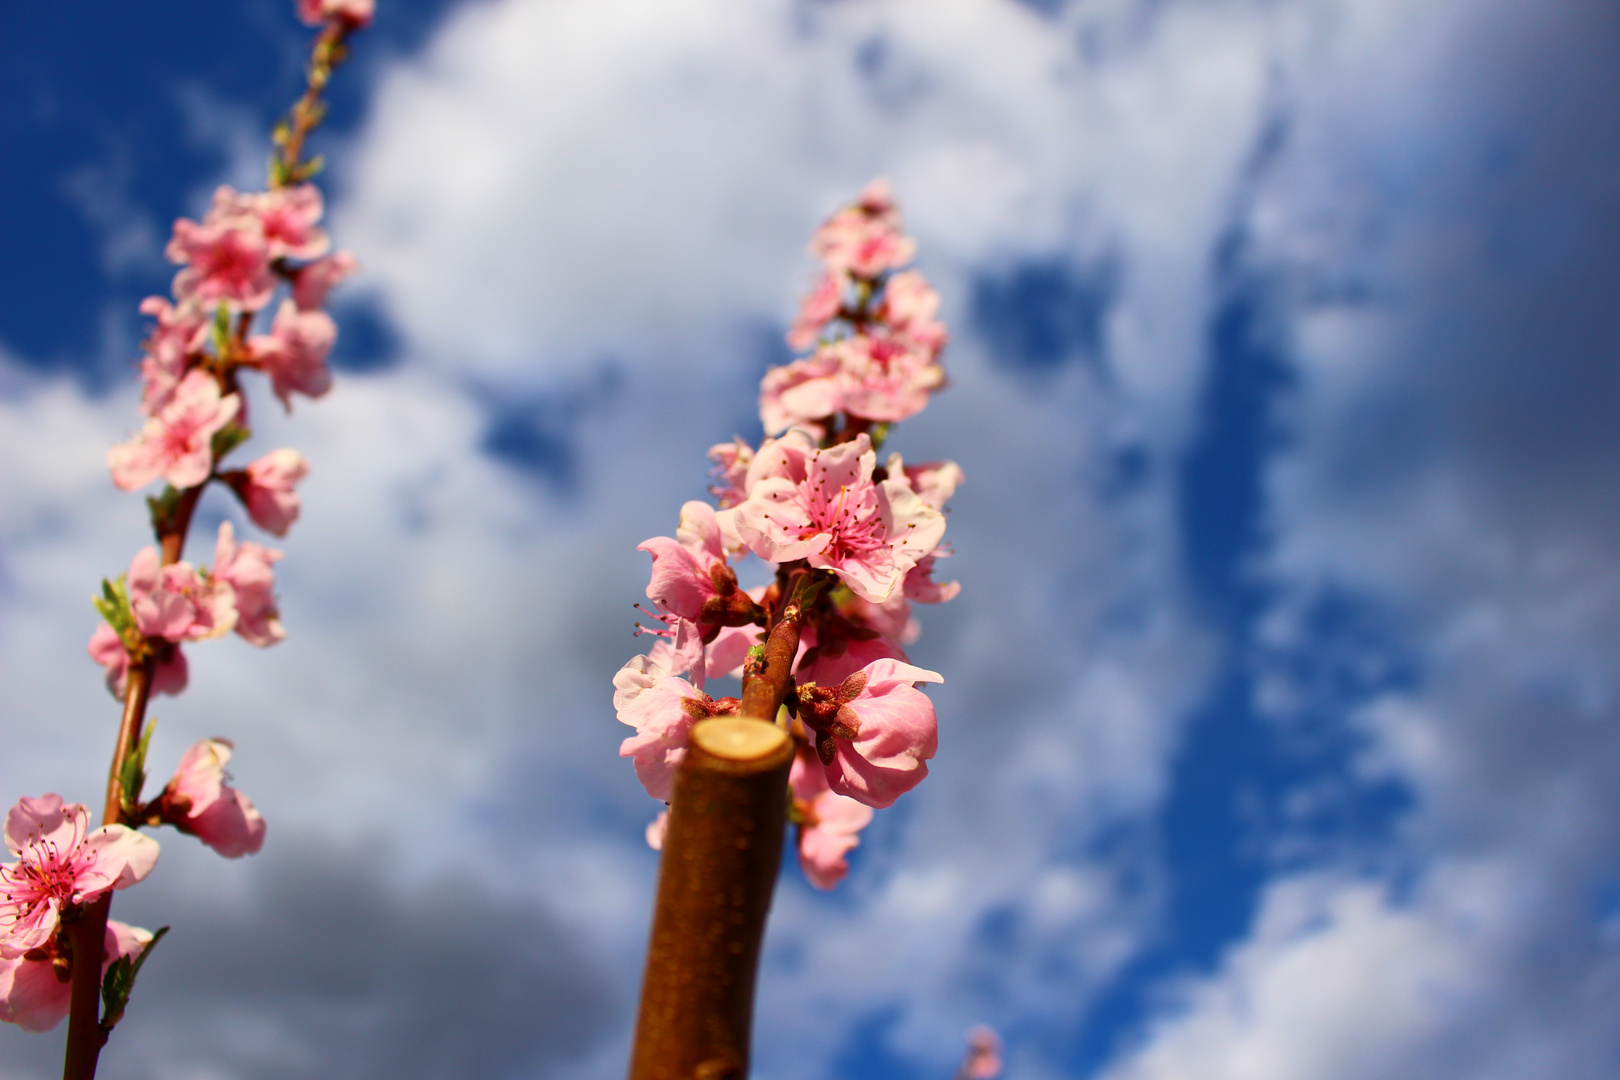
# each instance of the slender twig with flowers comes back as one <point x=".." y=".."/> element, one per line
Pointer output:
<point x="60" y="954"/>
<point x="849" y="545"/>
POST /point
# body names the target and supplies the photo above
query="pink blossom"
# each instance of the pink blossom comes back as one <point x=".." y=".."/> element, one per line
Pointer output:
<point x="180" y="331"/>
<point x="176" y="603"/>
<point x="61" y="864"/>
<point x="921" y="586"/>
<point x="176" y="443"/>
<point x="829" y="824"/>
<point x="983" y="1060"/>
<point x="874" y="731"/>
<point x="200" y="801"/>
<point x="288" y="216"/>
<point x="680" y="648"/>
<point x="933" y="481"/>
<point x="35" y="993"/>
<point x="884" y="377"/>
<point x="658" y="829"/>
<point x="662" y="709"/>
<point x="266" y="489"/>
<point x="910" y="306"/>
<point x="356" y="13"/>
<point x="247" y="568"/>
<point x="803" y="393"/>
<point x="824" y="507"/>
<point x="819" y="308"/>
<point x="690" y="576"/>
<point x="226" y="256"/>
<point x="169" y="671"/>
<point x="731" y="462"/>
<point x="294" y="353"/>
<point x="837" y="648"/>
<point x="864" y="239"/>
<point x="316" y="280"/>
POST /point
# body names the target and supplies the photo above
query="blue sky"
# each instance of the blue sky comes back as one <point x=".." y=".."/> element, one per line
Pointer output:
<point x="1278" y="734"/>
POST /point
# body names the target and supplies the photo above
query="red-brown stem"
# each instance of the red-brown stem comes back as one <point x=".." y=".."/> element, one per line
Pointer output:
<point x="727" y="821"/>
<point x="87" y="933"/>
<point x="326" y="56"/>
<point x="762" y="693"/>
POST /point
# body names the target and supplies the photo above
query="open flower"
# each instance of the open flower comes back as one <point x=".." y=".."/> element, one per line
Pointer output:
<point x="819" y="308"/>
<point x="176" y="443"/>
<point x="822" y="505"/>
<point x="61" y="864"/>
<point x="662" y="708"/>
<point x="35" y="993"/>
<point x="355" y="13"/>
<point x="690" y="575"/>
<point x="874" y="731"/>
<point x="200" y="801"/>
<point x="294" y="352"/>
<point x="179" y="332"/>
<point x="829" y="824"/>
<point x="315" y="280"/>
<point x="288" y="216"/>
<point x="248" y="570"/>
<point x="225" y="256"/>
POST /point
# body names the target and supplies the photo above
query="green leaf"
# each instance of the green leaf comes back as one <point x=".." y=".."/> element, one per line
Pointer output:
<point x="120" y="980"/>
<point x="113" y="606"/>
<point x="228" y="438"/>
<point x="221" y="331"/>
<point x="133" y="775"/>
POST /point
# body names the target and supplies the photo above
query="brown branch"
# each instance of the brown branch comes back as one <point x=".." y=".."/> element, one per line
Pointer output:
<point x="306" y="111"/>
<point x="763" y="691"/>
<point x="727" y="819"/>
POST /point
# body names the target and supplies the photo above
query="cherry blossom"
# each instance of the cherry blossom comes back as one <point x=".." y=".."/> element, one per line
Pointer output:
<point x="983" y="1060"/>
<point x="35" y="993"/>
<point x="169" y="670"/>
<point x="225" y="257"/>
<point x="864" y="239"/>
<point x="933" y="481"/>
<point x="200" y="801"/>
<point x="690" y="575"/>
<point x="805" y="393"/>
<point x="175" y="602"/>
<point x="266" y="489"/>
<point x="294" y="353"/>
<point x="909" y="307"/>
<point x="833" y="514"/>
<point x="315" y="280"/>
<point x="819" y="308"/>
<point x="874" y="732"/>
<point x="356" y="13"/>
<point x="829" y="824"/>
<point x="884" y="377"/>
<point x="179" y="332"/>
<point x="662" y="708"/>
<point x="247" y="568"/>
<point x="731" y="462"/>
<point x="176" y="443"/>
<point x="61" y="865"/>
<point x="288" y="216"/>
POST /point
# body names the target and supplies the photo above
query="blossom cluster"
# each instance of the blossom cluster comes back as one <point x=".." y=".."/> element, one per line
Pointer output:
<point x="253" y="279"/>
<point x="847" y="538"/>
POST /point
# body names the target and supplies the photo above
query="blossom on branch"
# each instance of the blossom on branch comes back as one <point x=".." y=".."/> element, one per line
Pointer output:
<point x="315" y="280"/>
<point x="248" y="570"/>
<point x="176" y="443"/>
<point x="691" y="577"/>
<point x="874" y="732"/>
<point x="356" y="14"/>
<point x="226" y="257"/>
<point x="61" y="865"/>
<point x="200" y="801"/>
<point x="823" y="506"/>
<point x="266" y="489"/>
<point x="169" y="671"/>
<point x="175" y="602"/>
<point x="294" y="353"/>
<point x="287" y="216"/>
<point x="180" y="332"/>
<point x="829" y="824"/>
<point x="35" y="989"/>
<point x="662" y="708"/>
